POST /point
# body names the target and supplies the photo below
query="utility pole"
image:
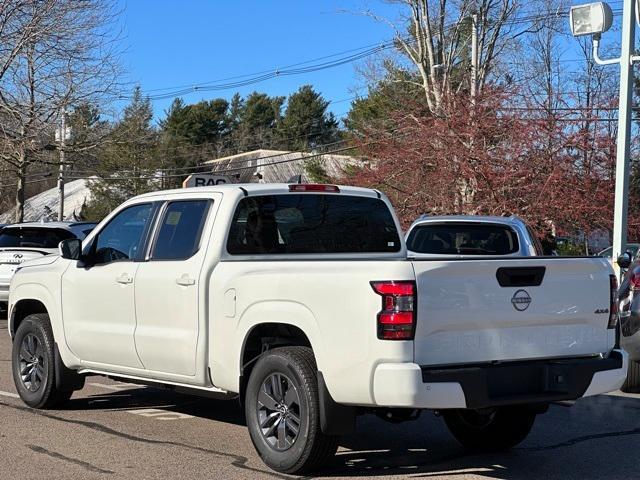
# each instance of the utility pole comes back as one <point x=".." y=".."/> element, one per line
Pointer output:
<point x="594" y="19"/>
<point x="63" y="136"/>
<point x="474" y="57"/>
<point x="624" y="132"/>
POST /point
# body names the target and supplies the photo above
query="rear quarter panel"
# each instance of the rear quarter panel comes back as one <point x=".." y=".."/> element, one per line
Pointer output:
<point x="332" y="302"/>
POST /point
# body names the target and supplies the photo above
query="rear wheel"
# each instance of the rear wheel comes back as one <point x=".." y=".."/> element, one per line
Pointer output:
<point x="33" y="362"/>
<point x="283" y="412"/>
<point x="632" y="383"/>
<point x="492" y="430"/>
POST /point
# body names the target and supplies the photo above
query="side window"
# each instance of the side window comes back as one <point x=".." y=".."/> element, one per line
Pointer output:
<point x="122" y="237"/>
<point x="180" y="230"/>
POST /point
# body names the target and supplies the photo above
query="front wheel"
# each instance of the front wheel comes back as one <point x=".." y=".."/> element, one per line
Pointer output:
<point x="283" y="412"/>
<point x="492" y="430"/>
<point x="33" y="362"/>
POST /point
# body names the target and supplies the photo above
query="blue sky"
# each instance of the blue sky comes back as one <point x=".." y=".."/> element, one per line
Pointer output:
<point x="171" y="43"/>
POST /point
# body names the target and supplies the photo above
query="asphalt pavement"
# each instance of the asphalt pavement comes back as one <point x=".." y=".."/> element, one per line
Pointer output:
<point x="112" y="430"/>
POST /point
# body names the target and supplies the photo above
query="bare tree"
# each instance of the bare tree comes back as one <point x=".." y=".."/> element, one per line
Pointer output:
<point x="435" y="36"/>
<point x="68" y="58"/>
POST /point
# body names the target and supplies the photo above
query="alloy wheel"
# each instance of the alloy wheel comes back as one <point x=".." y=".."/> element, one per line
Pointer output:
<point x="32" y="363"/>
<point x="278" y="408"/>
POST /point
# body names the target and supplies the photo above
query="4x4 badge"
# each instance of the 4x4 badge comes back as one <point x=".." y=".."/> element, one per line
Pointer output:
<point x="521" y="300"/>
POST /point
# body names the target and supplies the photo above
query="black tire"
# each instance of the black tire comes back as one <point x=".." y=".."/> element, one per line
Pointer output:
<point x="632" y="383"/>
<point x="289" y="378"/>
<point x="496" y="430"/>
<point x="33" y="362"/>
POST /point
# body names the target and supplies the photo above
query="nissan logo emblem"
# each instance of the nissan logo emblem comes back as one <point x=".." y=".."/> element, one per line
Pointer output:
<point x="521" y="300"/>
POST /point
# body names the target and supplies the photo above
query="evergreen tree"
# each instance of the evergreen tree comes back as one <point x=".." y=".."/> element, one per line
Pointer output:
<point x="258" y="119"/>
<point x="128" y="165"/>
<point x="89" y="131"/>
<point x="192" y="134"/>
<point x="306" y="124"/>
<point x="374" y="110"/>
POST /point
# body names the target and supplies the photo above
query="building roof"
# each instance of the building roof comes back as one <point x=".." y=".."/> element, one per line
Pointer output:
<point x="277" y="166"/>
<point x="44" y="206"/>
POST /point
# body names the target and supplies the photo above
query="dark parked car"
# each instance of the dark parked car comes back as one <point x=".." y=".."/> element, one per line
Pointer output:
<point x="629" y="311"/>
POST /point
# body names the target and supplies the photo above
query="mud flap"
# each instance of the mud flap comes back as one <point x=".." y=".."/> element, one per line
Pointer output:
<point x="66" y="379"/>
<point x="335" y="419"/>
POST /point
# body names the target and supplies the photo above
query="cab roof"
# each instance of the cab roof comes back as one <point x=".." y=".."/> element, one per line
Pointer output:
<point x="249" y="189"/>
<point x="512" y="220"/>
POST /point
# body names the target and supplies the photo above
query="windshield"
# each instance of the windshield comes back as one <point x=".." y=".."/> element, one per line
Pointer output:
<point x="463" y="239"/>
<point x="33" y="237"/>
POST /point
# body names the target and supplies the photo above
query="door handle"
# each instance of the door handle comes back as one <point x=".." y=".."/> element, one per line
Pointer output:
<point x="185" y="280"/>
<point x="124" y="278"/>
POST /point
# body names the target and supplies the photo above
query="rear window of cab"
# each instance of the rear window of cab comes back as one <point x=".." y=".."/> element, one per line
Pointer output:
<point x="463" y="239"/>
<point x="312" y="224"/>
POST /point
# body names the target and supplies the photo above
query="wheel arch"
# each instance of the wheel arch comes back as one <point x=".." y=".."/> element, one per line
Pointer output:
<point x="22" y="309"/>
<point x="276" y="323"/>
<point x="266" y="336"/>
<point x="28" y="298"/>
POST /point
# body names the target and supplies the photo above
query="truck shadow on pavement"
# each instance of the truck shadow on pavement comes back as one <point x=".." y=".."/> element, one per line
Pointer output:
<point x="597" y="438"/>
<point x="136" y="398"/>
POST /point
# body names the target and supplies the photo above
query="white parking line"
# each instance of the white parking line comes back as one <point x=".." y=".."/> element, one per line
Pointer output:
<point x="155" y="413"/>
<point x="118" y="387"/>
<point x="9" y="394"/>
<point x="158" y="414"/>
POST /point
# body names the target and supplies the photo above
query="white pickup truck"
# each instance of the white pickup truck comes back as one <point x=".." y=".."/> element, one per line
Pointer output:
<point x="301" y="301"/>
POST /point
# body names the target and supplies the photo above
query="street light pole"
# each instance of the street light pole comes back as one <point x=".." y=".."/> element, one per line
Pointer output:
<point x="624" y="132"/>
<point x="594" y="19"/>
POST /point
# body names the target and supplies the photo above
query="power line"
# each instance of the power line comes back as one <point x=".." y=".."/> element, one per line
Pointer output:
<point x="345" y="57"/>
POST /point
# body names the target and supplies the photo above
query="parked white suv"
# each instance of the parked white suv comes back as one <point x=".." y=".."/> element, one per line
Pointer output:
<point x="471" y="236"/>
<point x="23" y="241"/>
<point x="301" y="300"/>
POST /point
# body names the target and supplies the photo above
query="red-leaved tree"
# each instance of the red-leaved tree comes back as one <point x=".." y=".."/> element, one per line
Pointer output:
<point x="491" y="160"/>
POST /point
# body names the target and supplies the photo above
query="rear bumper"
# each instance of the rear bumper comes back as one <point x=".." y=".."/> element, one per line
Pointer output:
<point x="492" y="385"/>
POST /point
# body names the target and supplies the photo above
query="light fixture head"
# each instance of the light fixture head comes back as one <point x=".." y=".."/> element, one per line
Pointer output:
<point x="590" y="19"/>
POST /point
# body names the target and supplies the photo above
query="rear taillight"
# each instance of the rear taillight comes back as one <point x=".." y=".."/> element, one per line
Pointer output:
<point x="613" y="302"/>
<point x="396" y="320"/>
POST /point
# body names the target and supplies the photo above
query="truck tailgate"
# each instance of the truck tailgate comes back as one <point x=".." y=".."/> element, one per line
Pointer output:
<point x="474" y="311"/>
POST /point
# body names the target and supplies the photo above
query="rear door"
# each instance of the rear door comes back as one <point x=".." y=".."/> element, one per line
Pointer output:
<point x="472" y="311"/>
<point x="168" y="289"/>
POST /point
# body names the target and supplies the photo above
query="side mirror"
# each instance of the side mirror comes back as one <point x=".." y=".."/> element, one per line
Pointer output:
<point x="624" y="260"/>
<point x="71" y="248"/>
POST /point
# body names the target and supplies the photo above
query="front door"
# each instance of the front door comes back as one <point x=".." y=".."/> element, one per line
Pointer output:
<point x="98" y="300"/>
<point x="167" y="289"/>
